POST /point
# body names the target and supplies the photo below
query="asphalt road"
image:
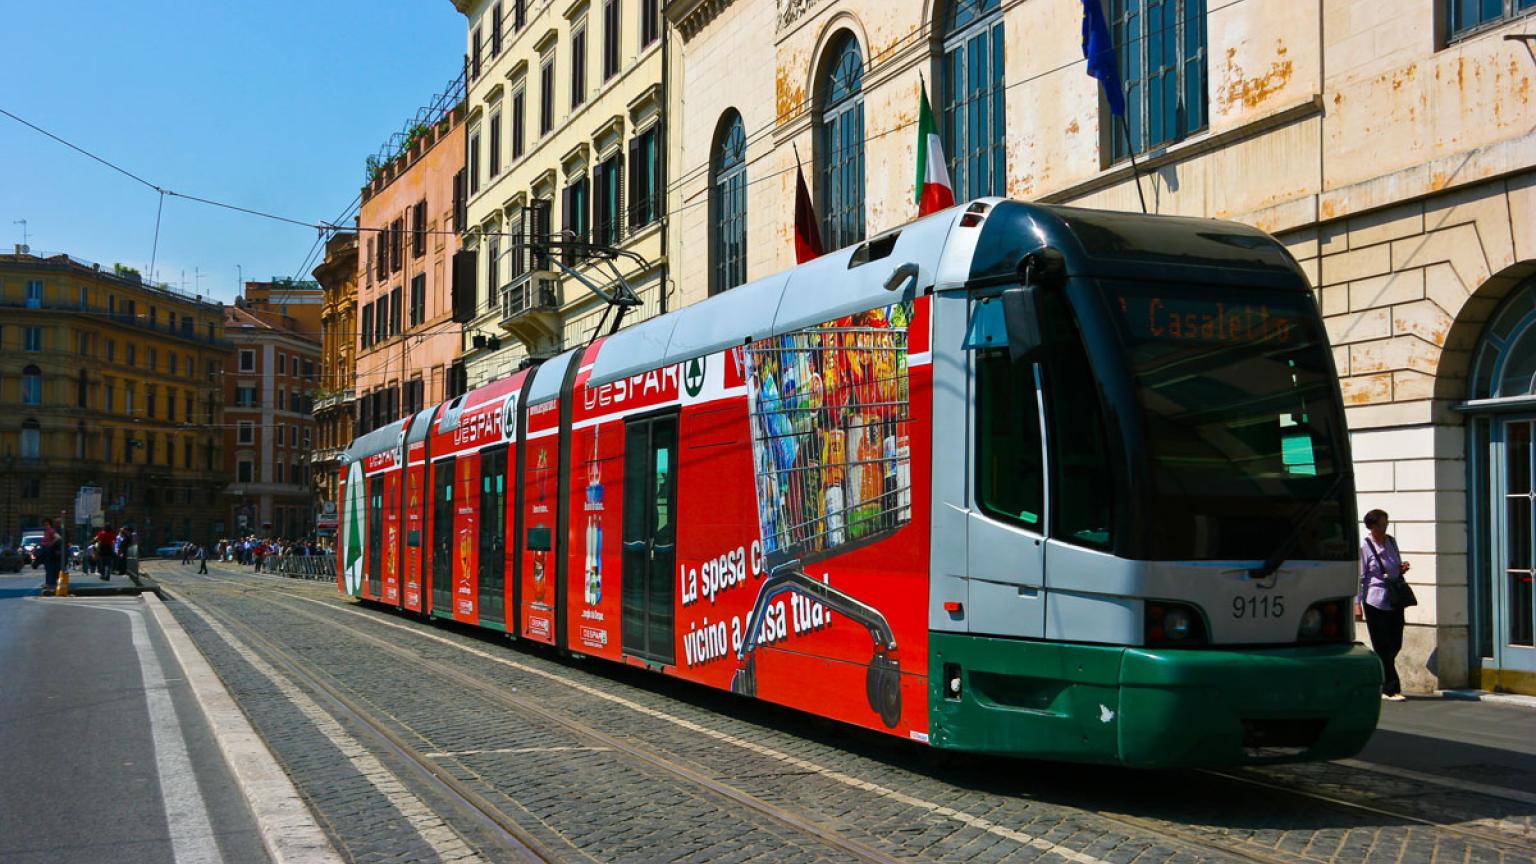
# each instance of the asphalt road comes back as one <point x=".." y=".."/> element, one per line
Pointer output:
<point x="100" y="740"/>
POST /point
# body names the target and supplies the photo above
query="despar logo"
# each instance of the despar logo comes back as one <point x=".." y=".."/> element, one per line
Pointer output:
<point x="694" y="376"/>
<point x="355" y="527"/>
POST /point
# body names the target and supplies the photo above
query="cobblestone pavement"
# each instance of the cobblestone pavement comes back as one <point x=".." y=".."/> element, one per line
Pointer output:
<point x="593" y="761"/>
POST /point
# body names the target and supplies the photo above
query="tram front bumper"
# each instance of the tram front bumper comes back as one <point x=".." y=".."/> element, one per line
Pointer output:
<point x="1154" y="708"/>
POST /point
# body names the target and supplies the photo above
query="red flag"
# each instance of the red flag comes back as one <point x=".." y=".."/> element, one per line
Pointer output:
<point x="807" y="233"/>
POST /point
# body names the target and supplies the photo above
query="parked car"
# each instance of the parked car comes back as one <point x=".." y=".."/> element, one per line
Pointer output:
<point x="171" y="549"/>
<point x="10" y="560"/>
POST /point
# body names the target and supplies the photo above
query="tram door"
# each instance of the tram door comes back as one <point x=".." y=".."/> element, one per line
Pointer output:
<point x="375" y="536"/>
<point x="650" y="536"/>
<point x="493" y="532"/>
<point x="442" y="537"/>
<point x="1513" y="600"/>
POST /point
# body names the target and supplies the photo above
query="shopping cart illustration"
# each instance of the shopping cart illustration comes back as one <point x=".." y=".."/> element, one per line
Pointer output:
<point x="829" y="415"/>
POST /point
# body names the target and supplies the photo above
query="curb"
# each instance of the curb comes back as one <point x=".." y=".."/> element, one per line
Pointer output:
<point x="288" y="829"/>
<point x="1514" y="699"/>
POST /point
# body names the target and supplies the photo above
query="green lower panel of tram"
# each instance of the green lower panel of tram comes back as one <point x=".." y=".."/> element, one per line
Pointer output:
<point x="1152" y="707"/>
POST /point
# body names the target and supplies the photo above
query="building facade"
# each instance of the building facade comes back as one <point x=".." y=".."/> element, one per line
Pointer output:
<point x="1389" y="146"/>
<point x="335" y="392"/>
<point x="407" y="341"/>
<point x="111" y="382"/>
<point x="565" y="142"/>
<point x="269" y="424"/>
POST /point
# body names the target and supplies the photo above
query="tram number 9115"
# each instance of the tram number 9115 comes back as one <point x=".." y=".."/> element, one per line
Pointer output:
<point x="1267" y="606"/>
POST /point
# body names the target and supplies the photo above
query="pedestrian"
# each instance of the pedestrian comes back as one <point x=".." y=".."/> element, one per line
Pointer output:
<point x="1384" y="594"/>
<point x="52" y="555"/>
<point x="103" y="540"/>
<point x="202" y="559"/>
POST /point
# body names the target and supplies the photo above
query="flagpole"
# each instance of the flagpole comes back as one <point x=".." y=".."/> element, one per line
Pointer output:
<point x="1135" y="171"/>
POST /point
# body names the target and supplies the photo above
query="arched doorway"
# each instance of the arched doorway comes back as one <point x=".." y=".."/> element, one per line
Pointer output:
<point x="1501" y="452"/>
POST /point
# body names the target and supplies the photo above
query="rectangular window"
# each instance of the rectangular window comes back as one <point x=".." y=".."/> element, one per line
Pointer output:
<point x="381" y="319"/>
<point x="306" y="437"/>
<point x="459" y="202"/>
<point x="243" y="471"/>
<point x="495" y="165"/>
<point x="1161" y="46"/>
<point x="394" y="312"/>
<point x="419" y="228"/>
<point x="367" y="324"/>
<point x="574" y="216"/>
<point x="154" y="358"/>
<point x="247" y="433"/>
<point x="247" y="360"/>
<point x="418" y="298"/>
<point x="474" y="160"/>
<point x="293" y="435"/>
<point x="607" y="183"/>
<point x="111" y="350"/>
<point x="1467" y="15"/>
<point x="475" y="56"/>
<point x="282" y="363"/>
<point x="578" y="65"/>
<point x="397" y="245"/>
<point x="547" y="95"/>
<point x="519" y="100"/>
<point x="610" y="38"/>
<point x="33" y="339"/>
<point x="493" y="272"/>
<point x="495" y="30"/>
<point x="111" y="396"/>
<point x="245" y="397"/>
<point x="650" y="21"/>
<point x="186" y="407"/>
<point x="150" y="397"/>
<point x="34" y="294"/>
<point x="971" y="108"/>
<point x="645" y="177"/>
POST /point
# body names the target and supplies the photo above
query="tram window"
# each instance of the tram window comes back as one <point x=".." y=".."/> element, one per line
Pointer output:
<point x="1010" y="476"/>
<point x="1080" y="477"/>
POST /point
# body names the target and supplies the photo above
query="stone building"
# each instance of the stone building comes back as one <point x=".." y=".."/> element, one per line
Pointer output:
<point x="110" y="381"/>
<point x="269" y="424"/>
<point x="334" y="392"/>
<point x="1390" y="146"/>
<point x="565" y="141"/>
<point x="407" y="341"/>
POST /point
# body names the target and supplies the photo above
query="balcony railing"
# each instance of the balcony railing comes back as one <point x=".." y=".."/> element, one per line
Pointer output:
<point x="137" y="321"/>
<point x="537" y="291"/>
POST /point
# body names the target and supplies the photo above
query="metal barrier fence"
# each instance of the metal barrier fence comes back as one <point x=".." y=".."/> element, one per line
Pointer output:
<point x="319" y="567"/>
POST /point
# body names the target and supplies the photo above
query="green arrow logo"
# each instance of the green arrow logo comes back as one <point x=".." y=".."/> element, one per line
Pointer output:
<point x="693" y="377"/>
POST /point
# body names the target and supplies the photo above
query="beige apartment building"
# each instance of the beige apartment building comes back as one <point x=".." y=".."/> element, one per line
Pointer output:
<point x="335" y="394"/>
<point x="1390" y="146"/>
<point x="565" y="142"/>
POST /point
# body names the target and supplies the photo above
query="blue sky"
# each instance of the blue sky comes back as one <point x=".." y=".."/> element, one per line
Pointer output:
<point x="270" y="105"/>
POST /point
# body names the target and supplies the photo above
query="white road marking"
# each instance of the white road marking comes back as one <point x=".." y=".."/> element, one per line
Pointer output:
<point x="960" y="816"/>
<point x="186" y="813"/>
<point x="450" y="754"/>
<point x="446" y="842"/>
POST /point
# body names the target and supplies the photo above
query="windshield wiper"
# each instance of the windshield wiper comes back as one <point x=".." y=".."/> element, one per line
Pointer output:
<point x="1270" y="565"/>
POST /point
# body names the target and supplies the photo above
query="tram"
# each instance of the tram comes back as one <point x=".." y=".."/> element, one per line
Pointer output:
<point x="1015" y="479"/>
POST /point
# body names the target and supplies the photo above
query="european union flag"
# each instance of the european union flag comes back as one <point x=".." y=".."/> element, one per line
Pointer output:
<point x="1099" y="51"/>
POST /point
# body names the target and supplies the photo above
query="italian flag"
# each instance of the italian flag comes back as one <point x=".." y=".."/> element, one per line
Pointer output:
<point x="934" y="191"/>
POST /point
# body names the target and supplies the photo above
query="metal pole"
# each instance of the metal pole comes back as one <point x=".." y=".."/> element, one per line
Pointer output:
<point x="1135" y="171"/>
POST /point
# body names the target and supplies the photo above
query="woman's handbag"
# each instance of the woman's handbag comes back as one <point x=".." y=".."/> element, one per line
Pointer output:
<point x="1399" y="592"/>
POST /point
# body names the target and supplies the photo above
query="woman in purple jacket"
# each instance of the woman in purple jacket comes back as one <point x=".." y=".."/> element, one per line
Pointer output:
<point x="1379" y="562"/>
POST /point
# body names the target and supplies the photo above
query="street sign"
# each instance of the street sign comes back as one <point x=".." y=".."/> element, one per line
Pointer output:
<point x="87" y="504"/>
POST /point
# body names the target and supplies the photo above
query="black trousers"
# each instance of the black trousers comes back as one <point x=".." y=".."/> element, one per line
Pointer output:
<point x="1386" y="629"/>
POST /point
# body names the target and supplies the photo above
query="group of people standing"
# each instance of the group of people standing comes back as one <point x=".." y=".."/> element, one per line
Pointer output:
<point x="259" y="552"/>
<point x="109" y="552"/>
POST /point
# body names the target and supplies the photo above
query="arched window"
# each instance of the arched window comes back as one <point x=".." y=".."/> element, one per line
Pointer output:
<point x="31" y="440"/>
<point x="728" y="205"/>
<point x="31" y="386"/>
<point x="971" y="98"/>
<point x="841" y="144"/>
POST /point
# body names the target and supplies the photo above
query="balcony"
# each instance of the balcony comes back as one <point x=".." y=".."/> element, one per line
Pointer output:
<point x="530" y="307"/>
<point x="340" y="399"/>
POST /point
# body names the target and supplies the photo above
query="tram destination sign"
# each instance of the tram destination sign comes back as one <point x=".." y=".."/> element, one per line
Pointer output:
<point x="1154" y="318"/>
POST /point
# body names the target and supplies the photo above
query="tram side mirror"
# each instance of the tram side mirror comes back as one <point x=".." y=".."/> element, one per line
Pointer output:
<point x="538" y="538"/>
<point x="1021" y="314"/>
<point x="413" y="538"/>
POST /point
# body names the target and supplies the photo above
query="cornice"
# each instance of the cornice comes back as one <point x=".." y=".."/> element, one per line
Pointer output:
<point x="691" y="16"/>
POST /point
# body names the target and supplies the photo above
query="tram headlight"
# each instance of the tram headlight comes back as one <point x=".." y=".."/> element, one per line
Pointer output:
<point x="1324" y="621"/>
<point x="1172" y="624"/>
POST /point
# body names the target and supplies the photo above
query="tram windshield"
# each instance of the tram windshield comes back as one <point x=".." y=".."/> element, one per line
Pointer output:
<point x="1240" y="422"/>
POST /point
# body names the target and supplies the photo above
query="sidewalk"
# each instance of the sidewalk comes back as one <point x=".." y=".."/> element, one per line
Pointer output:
<point x="1488" y="743"/>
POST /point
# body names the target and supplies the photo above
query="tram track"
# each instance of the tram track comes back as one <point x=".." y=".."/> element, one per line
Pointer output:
<point x="431" y="766"/>
<point x="1191" y="839"/>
